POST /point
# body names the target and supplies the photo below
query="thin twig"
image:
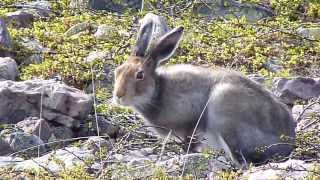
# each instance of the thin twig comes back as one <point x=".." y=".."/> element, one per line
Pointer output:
<point x="193" y="133"/>
<point x="309" y="124"/>
<point x="164" y="145"/>
<point x="95" y="113"/>
<point x="306" y="108"/>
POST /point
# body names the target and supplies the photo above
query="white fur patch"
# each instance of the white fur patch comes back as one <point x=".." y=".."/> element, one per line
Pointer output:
<point x="220" y="88"/>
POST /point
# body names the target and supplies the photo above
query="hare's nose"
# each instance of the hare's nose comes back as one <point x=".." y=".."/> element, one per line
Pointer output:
<point x="120" y="93"/>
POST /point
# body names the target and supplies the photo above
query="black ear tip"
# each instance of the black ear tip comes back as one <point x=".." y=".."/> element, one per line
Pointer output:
<point x="180" y="29"/>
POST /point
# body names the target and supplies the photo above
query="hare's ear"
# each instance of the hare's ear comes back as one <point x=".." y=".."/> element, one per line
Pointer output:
<point x="144" y="37"/>
<point x="166" y="45"/>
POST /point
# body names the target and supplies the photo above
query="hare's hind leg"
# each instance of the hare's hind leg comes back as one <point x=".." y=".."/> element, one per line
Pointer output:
<point x="218" y="143"/>
<point x="228" y="126"/>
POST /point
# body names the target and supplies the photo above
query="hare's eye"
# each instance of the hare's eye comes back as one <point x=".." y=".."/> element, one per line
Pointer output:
<point x="140" y="75"/>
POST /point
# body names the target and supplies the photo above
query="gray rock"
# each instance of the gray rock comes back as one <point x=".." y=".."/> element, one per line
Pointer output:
<point x="291" y="89"/>
<point x="5" y="148"/>
<point x="197" y="164"/>
<point x="103" y="79"/>
<point x="33" y="44"/>
<point x="36" y="58"/>
<point x="197" y="161"/>
<point x="80" y="27"/>
<point x="36" y="49"/>
<point x="291" y="169"/>
<point x="273" y="64"/>
<point x="307" y="116"/>
<point x="95" y="142"/>
<point x="142" y="152"/>
<point x="310" y="33"/>
<point x="61" y="132"/>
<point x="115" y="6"/>
<point x="97" y="55"/>
<point x="138" y="161"/>
<point x="40" y="9"/>
<point x="8" y="69"/>
<point x="60" y="103"/>
<point x="34" y="125"/>
<point x="69" y="157"/>
<point x="307" y="111"/>
<point x="79" y="4"/>
<point x="136" y="156"/>
<point x="141" y="156"/>
<point x="22" y="141"/>
<point x="103" y="31"/>
<point x="257" y="78"/>
<point x="229" y="8"/>
<point x="8" y="161"/>
<point x="60" y="136"/>
<point x="5" y="39"/>
<point x="118" y="157"/>
<point x="105" y="127"/>
<point x="19" y="19"/>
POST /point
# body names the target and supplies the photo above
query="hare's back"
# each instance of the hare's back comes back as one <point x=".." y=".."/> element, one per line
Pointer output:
<point x="249" y="102"/>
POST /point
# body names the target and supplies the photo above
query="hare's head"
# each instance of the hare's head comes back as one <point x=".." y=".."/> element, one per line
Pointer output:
<point x="135" y="80"/>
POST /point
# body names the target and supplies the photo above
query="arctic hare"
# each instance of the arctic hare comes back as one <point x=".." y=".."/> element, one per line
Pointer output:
<point x="236" y="114"/>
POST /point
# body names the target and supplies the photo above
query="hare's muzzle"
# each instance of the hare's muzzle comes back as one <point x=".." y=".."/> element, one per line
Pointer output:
<point x="118" y="96"/>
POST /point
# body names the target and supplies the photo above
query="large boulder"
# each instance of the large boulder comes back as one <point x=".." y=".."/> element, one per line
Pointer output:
<point x="39" y="9"/>
<point x="19" y="19"/>
<point x="8" y="69"/>
<point x="56" y="101"/>
<point x="27" y="13"/>
<point x="291" y="89"/>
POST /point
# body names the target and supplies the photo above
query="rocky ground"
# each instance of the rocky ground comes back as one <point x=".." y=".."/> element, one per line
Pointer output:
<point x="53" y="125"/>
